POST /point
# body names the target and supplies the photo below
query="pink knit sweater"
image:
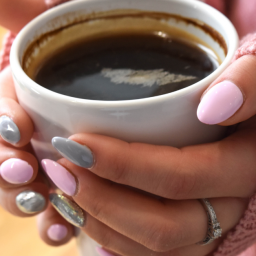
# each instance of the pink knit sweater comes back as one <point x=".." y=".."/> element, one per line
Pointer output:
<point x="242" y="239"/>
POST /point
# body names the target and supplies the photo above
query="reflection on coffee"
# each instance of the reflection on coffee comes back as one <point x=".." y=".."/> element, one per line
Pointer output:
<point x="125" y="67"/>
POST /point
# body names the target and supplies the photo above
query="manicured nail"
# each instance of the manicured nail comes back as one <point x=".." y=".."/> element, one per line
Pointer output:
<point x="103" y="252"/>
<point x="68" y="209"/>
<point x="61" y="177"/>
<point x="16" y="171"/>
<point x="9" y="130"/>
<point x="74" y="152"/>
<point x="220" y="103"/>
<point x="57" y="232"/>
<point x="30" y="202"/>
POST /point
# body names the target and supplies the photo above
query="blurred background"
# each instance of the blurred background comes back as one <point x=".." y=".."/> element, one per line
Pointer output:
<point x="19" y="236"/>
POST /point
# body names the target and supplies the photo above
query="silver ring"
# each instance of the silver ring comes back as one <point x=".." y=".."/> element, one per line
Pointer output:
<point x="214" y="230"/>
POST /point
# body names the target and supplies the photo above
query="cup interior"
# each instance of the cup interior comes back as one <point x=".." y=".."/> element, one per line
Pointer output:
<point x="78" y="19"/>
<point x="168" y="119"/>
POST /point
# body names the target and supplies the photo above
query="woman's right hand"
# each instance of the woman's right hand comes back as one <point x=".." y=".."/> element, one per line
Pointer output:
<point x="23" y="189"/>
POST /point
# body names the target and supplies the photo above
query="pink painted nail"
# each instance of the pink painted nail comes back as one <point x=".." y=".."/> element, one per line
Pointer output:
<point x="103" y="252"/>
<point x="62" y="178"/>
<point x="220" y="103"/>
<point x="16" y="171"/>
<point x="57" y="232"/>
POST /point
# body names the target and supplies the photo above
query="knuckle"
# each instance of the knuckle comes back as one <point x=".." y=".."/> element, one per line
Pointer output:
<point x="180" y="186"/>
<point x="161" y="239"/>
<point x="105" y="239"/>
<point x="96" y="209"/>
<point x="159" y="244"/>
<point x="181" y="181"/>
<point x="119" y="167"/>
<point x="118" y="171"/>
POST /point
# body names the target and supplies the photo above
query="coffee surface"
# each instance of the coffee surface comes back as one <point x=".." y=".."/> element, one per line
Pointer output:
<point x="125" y="67"/>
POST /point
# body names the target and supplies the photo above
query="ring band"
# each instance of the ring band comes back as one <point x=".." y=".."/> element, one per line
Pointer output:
<point x="214" y="230"/>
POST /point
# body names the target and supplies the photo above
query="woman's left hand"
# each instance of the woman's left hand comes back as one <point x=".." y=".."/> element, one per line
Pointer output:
<point x="167" y="219"/>
<point x="131" y="223"/>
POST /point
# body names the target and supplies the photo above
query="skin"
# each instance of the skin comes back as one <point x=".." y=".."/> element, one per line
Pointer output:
<point x="124" y="220"/>
<point x="23" y="11"/>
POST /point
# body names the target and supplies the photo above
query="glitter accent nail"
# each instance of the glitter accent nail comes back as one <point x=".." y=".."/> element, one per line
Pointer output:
<point x="68" y="209"/>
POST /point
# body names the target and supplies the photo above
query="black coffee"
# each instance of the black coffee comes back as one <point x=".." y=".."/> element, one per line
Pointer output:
<point x="125" y="67"/>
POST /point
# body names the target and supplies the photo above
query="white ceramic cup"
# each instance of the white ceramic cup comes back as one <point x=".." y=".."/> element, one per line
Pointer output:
<point x="168" y="119"/>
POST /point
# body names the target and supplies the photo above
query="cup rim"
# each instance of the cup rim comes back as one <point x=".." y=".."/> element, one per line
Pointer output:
<point x="20" y="75"/>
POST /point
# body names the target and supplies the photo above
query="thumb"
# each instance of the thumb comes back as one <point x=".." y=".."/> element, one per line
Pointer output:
<point x="15" y="14"/>
<point x="231" y="98"/>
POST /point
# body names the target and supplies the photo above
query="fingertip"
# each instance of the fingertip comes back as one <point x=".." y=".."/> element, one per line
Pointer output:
<point x="17" y="168"/>
<point x="78" y="154"/>
<point x="26" y="201"/>
<point x="53" y="229"/>
<point x="231" y="98"/>
<point x="57" y="232"/>
<point x="16" y="126"/>
<point x="220" y="103"/>
<point x="16" y="171"/>
<point x="60" y="176"/>
<point x="9" y="131"/>
<point x="30" y="202"/>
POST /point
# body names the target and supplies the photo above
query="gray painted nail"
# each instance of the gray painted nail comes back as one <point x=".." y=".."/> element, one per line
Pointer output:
<point x="9" y="130"/>
<point x="74" y="152"/>
<point x="68" y="209"/>
<point x="30" y="202"/>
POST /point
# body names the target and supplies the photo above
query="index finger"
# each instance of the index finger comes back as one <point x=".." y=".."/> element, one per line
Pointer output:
<point x="16" y="126"/>
<point x="202" y="171"/>
<point x="7" y="89"/>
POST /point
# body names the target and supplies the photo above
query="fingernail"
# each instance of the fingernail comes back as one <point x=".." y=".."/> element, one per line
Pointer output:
<point x="57" y="232"/>
<point x="220" y="103"/>
<point x="74" y="152"/>
<point x="16" y="171"/>
<point x="30" y="202"/>
<point x="61" y="177"/>
<point x="68" y="209"/>
<point x="103" y="252"/>
<point x="9" y="130"/>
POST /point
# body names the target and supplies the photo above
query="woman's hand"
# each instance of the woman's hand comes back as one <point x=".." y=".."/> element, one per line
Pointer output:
<point x="125" y="220"/>
<point x="169" y="220"/>
<point x="129" y="222"/>
<point x="15" y="14"/>
<point x="24" y="191"/>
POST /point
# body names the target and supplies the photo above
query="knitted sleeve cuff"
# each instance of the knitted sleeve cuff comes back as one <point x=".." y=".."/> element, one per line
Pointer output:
<point x="6" y="48"/>
<point x="242" y="236"/>
<point x="247" y="46"/>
